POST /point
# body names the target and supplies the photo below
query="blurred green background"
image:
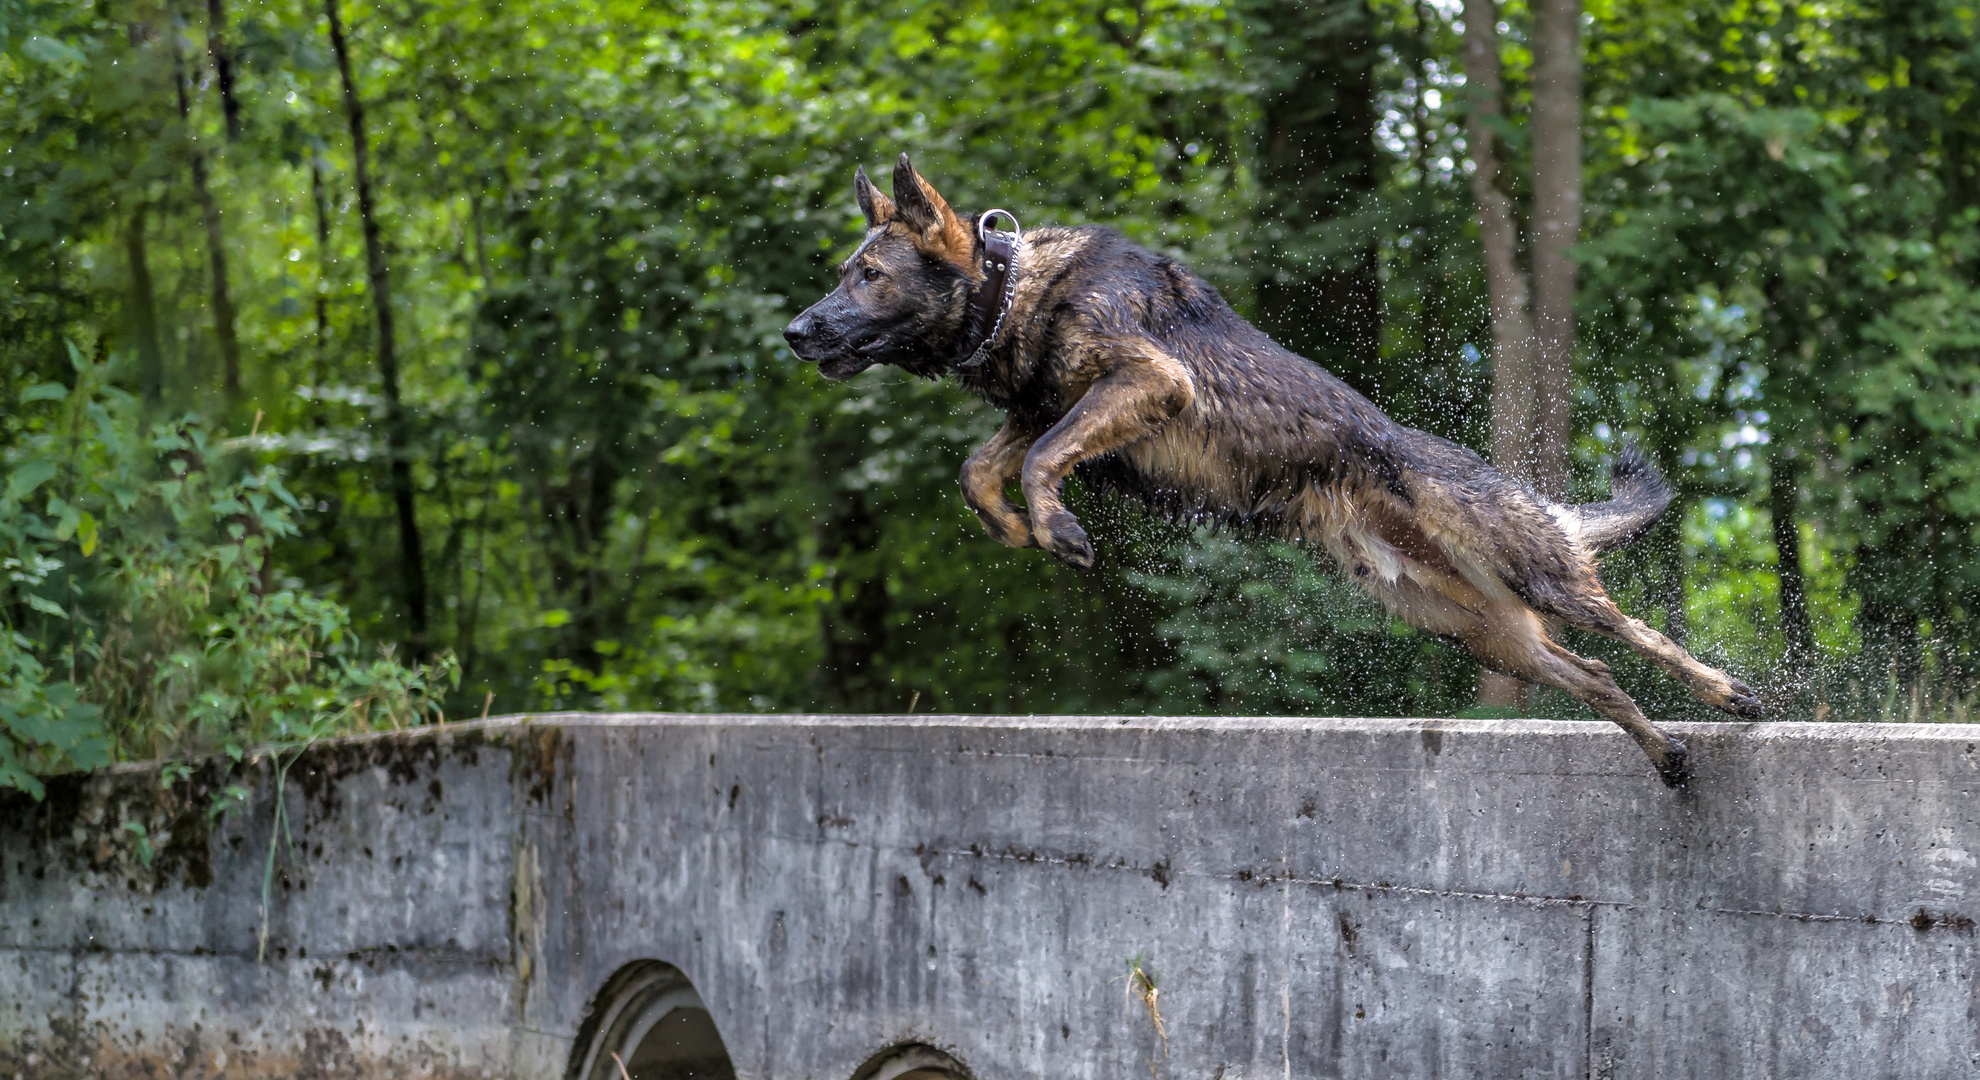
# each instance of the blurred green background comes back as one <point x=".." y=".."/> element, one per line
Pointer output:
<point x="582" y="471"/>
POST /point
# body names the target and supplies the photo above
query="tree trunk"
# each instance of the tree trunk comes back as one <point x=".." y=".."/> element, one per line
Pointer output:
<point x="322" y="203"/>
<point x="1319" y="294"/>
<point x="1783" y="498"/>
<point x="1556" y="227"/>
<point x="1512" y="326"/>
<point x="412" y="566"/>
<point x="223" y="65"/>
<point x="1788" y="382"/>
<point x="142" y="317"/>
<point x="223" y="300"/>
<point x="1436" y="328"/>
<point x="1513" y="412"/>
<point x="1532" y="352"/>
<point x="216" y="247"/>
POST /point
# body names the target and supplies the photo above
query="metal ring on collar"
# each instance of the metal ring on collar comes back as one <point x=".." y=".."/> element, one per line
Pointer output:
<point x="983" y="224"/>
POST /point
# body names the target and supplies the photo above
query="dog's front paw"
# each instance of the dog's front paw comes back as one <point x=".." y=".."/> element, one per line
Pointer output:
<point x="1061" y="535"/>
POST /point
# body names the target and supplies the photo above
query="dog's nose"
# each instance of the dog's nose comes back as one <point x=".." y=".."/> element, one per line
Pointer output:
<point x="797" y="331"/>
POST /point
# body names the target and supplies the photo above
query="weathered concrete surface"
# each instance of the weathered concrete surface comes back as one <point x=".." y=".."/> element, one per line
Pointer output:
<point x="1356" y="898"/>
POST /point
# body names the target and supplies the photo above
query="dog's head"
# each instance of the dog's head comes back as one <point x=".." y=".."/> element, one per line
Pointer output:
<point x="903" y="296"/>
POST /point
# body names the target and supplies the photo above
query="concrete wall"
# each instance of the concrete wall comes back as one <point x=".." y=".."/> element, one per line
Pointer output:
<point x="1355" y="898"/>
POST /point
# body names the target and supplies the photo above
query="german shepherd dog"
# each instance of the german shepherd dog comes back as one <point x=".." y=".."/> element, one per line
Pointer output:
<point x="1119" y="363"/>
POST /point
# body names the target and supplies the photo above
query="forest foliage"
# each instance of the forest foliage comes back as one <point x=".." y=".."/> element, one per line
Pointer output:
<point x="573" y="465"/>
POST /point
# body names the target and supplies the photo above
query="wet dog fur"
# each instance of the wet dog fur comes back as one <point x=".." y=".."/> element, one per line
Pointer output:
<point x="1120" y="364"/>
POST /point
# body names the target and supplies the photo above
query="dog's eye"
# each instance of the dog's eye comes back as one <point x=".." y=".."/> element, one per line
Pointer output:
<point x="871" y="274"/>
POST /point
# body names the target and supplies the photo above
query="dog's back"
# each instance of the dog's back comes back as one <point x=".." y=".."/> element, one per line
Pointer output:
<point x="1263" y="424"/>
<point x="1271" y="440"/>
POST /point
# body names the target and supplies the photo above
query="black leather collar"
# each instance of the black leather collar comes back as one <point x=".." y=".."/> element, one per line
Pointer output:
<point x="990" y="301"/>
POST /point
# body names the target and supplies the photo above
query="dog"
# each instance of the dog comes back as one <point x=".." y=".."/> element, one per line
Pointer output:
<point x="1117" y="362"/>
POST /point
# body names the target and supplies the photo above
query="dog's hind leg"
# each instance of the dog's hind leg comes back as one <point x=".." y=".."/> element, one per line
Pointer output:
<point x="985" y="475"/>
<point x="1580" y="601"/>
<point x="1515" y="642"/>
<point x="1511" y="638"/>
<point x="1144" y="390"/>
<point x="1706" y="683"/>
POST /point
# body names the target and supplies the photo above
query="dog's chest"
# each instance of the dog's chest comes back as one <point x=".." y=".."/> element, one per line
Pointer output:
<point x="1175" y="464"/>
<point x="1037" y="398"/>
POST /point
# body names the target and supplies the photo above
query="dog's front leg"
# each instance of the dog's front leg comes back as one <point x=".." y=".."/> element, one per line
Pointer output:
<point x="1143" y="390"/>
<point x="988" y="472"/>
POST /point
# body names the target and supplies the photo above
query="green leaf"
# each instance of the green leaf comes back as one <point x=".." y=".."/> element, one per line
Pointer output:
<point x="13" y="775"/>
<point x="28" y="477"/>
<point x="50" y="51"/>
<point x="61" y="722"/>
<point x="48" y="391"/>
<point x="275" y="485"/>
<point x="46" y="606"/>
<point x="143" y="838"/>
<point x="86" y="534"/>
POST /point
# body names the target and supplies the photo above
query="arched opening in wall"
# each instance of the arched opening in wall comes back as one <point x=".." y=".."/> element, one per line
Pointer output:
<point x="911" y="1061"/>
<point x="650" y="1017"/>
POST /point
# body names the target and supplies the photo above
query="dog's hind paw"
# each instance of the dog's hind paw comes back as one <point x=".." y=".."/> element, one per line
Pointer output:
<point x="1744" y="703"/>
<point x="1675" y="769"/>
<point x="1061" y="535"/>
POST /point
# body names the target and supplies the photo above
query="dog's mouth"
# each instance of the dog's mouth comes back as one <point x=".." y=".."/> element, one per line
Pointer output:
<point x="863" y="353"/>
<point x="843" y="367"/>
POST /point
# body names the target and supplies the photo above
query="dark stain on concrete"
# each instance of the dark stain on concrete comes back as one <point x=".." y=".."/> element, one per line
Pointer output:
<point x="538" y="749"/>
<point x="406" y="757"/>
<point x="1925" y="921"/>
<point x="102" y="823"/>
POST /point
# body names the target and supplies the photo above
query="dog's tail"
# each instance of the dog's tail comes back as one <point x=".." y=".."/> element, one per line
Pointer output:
<point x="1637" y="498"/>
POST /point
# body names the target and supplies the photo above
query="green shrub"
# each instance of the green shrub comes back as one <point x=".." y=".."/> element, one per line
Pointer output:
<point x="139" y="619"/>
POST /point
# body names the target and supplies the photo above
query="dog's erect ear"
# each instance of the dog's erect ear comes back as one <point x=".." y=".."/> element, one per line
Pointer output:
<point x="920" y="207"/>
<point x="878" y="208"/>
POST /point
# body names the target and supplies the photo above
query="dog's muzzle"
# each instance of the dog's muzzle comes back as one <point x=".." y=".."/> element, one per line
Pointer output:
<point x="802" y="333"/>
<point x="815" y="343"/>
